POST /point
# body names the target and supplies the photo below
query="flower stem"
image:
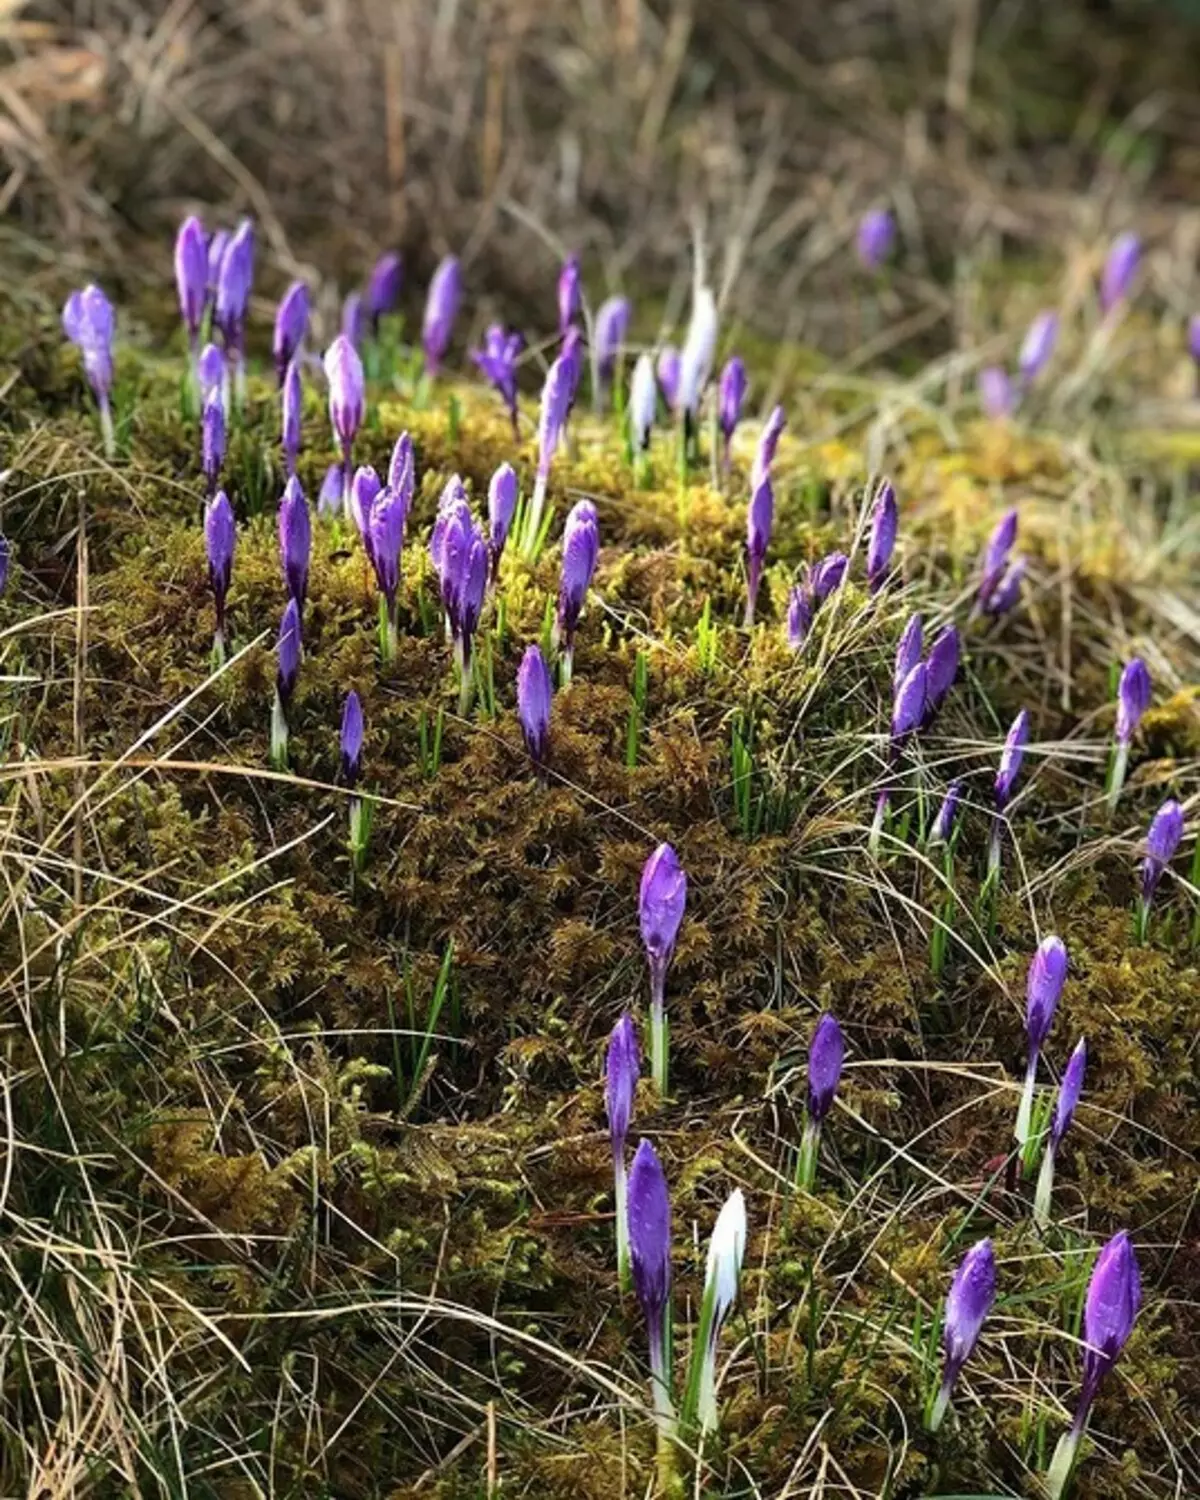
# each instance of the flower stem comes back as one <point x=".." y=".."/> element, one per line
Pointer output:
<point x="1045" y="1190"/>
<point x="1025" y="1111"/>
<point x="621" y="1185"/>
<point x="806" y="1156"/>
<point x="939" y="1405"/>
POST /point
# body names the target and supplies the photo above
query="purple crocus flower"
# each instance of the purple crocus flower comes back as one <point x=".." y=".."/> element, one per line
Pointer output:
<point x="941" y="669"/>
<point x="1114" y="1296"/>
<point x="383" y="288"/>
<point x="353" y="324"/>
<point x="667" y="370"/>
<point x="876" y="234"/>
<point x="996" y="556"/>
<point x="908" y="652"/>
<point x="1044" y="986"/>
<point x="386" y="526"/>
<point x="1069" y="1092"/>
<point x="347" y="396"/>
<point x="1008" y="589"/>
<point x="909" y="705"/>
<point x="828" y="575"/>
<point x="210" y="372"/>
<point x="799" y="616"/>
<point x="609" y="334"/>
<point x="661" y="904"/>
<point x="996" y="395"/>
<point x="497" y="360"/>
<point x="826" y="1054"/>
<point x="463" y="568"/>
<point x="581" y="548"/>
<point x="768" y="442"/>
<point x="643" y="402"/>
<point x="292" y="401"/>
<point x="569" y="293"/>
<point x="552" y="421"/>
<point x="365" y="488"/>
<point x="191" y="275"/>
<point x="1011" y="757"/>
<point x="881" y="544"/>
<point x="1162" y="840"/>
<point x="220" y="538"/>
<point x="234" y="279"/>
<point x="968" y="1303"/>
<point x="502" y="503"/>
<point x="295" y="540"/>
<point x="286" y="672"/>
<point x="947" y="815"/>
<point x="402" y="468"/>
<point x="760" y="518"/>
<point x="1038" y="346"/>
<point x="649" y="1217"/>
<point x="534" y="694"/>
<point x="89" y="322"/>
<point x="1119" y="270"/>
<point x="351" y="739"/>
<point x="1133" y="699"/>
<point x="730" y="396"/>
<point x="212" y="441"/>
<point x="291" y="325"/>
<point x="622" y="1066"/>
<point x="441" y="309"/>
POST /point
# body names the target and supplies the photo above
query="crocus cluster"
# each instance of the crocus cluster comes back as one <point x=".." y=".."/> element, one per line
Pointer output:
<point x="1133" y="699"/>
<point x="661" y="905"/>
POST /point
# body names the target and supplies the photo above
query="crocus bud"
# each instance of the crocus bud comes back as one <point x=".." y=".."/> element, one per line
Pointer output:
<point x="234" y="279"/>
<point x="829" y="575"/>
<point x="1110" y="1309"/>
<point x="649" y="1213"/>
<point x="210" y="371"/>
<point x="908" y="651"/>
<point x="995" y="557"/>
<point x="623" y="1063"/>
<point x="534" y="694"/>
<point x="220" y="538"/>
<point x="571" y="357"/>
<point x="402" y="469"/>
<point x="1119" y="270"/>
<point x="386" y="525"/>
<point x="695" y="361"/>
<point x="288" y="652"/>
<point x="212" y="441"/>
<point x="947" y="814"/>
<point x="291" y="325"/>
<point x="768" y="442"/>
<point x="609" y="334"/>
<point x="581" y="548"/>
<point x="351" y="741"/>
<point x="876" y="233"/>
<point x="997" y="398"/>
<point x="726" y="1251"/>
<point x="329" y="500"/>
<point x="347" y="393"/>
<point x="502" y="503"/>
<point x="295" y="540"/>
<point x="569" y="301"/>
<point x="383" y="288"/>
<point x="1011" y="757"/>
<point x="1133" y="699"/>
<point x="441" y="309"/>
<point x="643" y="402"/>
<point x="908" y="705"/>
<point x="218" y="243"/>
<point x="968" y="1303"/>
<point x="556" y="403"/>
<point x="1068" y="1094"/>
<point x="89" y="321"/>
<point x="799" y="616"/>
<point x="1038" y="346"/>
<point x="826" y="1054"/>
<point x="1044" y="986"/>
<point x="5" y="564"/>
<point x="497" y="360"/>
<point x="731" y="395"/>
<point x="1008" y="589"/>
<point x="882" y="541"/>
<point x="293" y="406"/>
<point x="941" y="669"/>
<point x="1162" y="841"/>
<point x="667" y="371"/>
<point x="191" y="274"/>
<point x="353" y="324"/>
<point x="661" y="904"/>
<point x="760" y="518"/>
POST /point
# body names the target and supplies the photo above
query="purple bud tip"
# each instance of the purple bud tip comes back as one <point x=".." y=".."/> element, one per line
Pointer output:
<point x="1162" y="840"/>
<point x="995" y="556"/>
<point x="828" y="575"/>
<point x="534" y="694"/>
<point x="1047" y="976"/>
<point x="288" y="651"/>
<point x="347" y="390"/>
<point x="876" y="233"/>
<point x="941" y="669"/>
<point x="291" y="325"/>
<point x="1133" y="699"/>
<point x="623" y="1064"/>
<point x="441" y="309"/>
<point x="295" y="539"/>
<point x="799" y="616"/>
<point x="1011" y="757"/>
<point x="731" y="395"/>
<point x="768" y="442"/>
<point x="234" y="279"/>
<point x="220" y="538"/>
<point x="661" y="904"/>
<point x="826" y="1053"/>
<point x="1068" y="1094"/>
<point x="1110" y="1309"/>
<point x="502" y="503"/>
<point x="908" y="651"/>
<point x="968" y="1303"/>
<point x="649" y="1216"/>
<point x="947" y="815"/>
<point x="581" y="548"/>
<point x="383" y="287"/>
<point x="997" y="399"/>
<point x="353" y="319"/>
<point x="610" y="332"/>
<point x="909" y="706"/>
<point x="351" y="741"/>
<point x="1007" y="591"/>
<point x="1119" y="270"/>
<point x="191" y="273"/>
<point x="1038" y="345"/>
<point x="885" y="522"/>
<point x="760" y="519"/>
<point x="497" y="361"/>
<point x="569" y="288"/>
